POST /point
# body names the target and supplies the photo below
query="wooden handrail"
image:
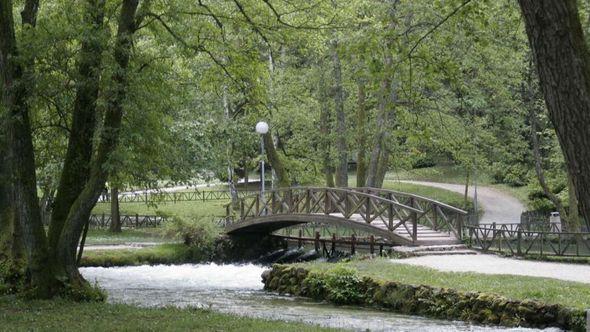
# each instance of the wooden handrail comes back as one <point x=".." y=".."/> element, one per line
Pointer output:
<point x="343" y="190"/>
<point x="422" y="198"/>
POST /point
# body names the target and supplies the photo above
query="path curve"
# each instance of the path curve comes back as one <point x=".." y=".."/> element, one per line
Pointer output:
<point x="498" y="206"/>
<point x="492" y="264"/>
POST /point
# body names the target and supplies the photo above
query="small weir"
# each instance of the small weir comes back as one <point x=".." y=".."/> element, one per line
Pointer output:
<point x="237" y="289"/>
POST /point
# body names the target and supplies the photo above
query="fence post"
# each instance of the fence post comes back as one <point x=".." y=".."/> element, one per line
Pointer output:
<point x="372" y="244"/>
<point x="241" y="209"/>
<point x="136" y="220"/>
<point x="102" y="220"/>
<point x="519" y="240"/>
<point x="353" y="245"/>
<point x="326" y="202"/>
<point x="460" y="226"/>
<point x="414" y="219"/>
<point x="299" y="239"/>
<point x="435" y="216"/>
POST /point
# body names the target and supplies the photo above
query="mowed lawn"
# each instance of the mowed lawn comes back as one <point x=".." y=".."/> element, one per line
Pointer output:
<point x="62" y="315"/>
<point x="570" y="294"/>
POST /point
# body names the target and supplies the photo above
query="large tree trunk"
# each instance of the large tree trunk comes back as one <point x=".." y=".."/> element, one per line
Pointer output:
<point x="382" y="167"/>
<point x="76" y="169"/>
<point x="563" y="63"/>
<point x="325" y="132"/>
<point x="361" y="126"/>
<point x="11" y="251"/>
<point x="379" y="157"/>
<point x="115" y="226"/>
<point x="17" y="81"/>
<point x="341" y="146"/>
<point x="81" y="208"/>
<point x="275" y="161"/>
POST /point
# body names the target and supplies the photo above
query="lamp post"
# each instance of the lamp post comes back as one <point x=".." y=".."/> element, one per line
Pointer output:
<point x="262" y="129"/>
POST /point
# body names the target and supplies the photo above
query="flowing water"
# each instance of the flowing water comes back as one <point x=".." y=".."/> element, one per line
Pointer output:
<point x="237" y="289"/>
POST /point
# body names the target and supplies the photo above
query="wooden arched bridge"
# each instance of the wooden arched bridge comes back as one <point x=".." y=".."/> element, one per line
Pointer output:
<point x="394" y="217"/>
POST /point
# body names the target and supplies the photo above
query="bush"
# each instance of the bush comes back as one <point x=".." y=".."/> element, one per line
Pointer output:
<point x="198" y="233"/>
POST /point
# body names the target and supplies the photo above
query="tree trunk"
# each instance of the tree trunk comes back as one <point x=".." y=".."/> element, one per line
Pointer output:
<point x="379" y="157"/>
<point x="563" y="63"/>
<point x="361" y="126"/>
<point x="76" y="169"/>
<point x="115" y="226"/>
<point x="341" y="147"/>
<point x="573" y="218"/>
<point x="11" y="251"/>
<point x="325" y="133"/>
<point x="275" y="161"/>
<point x="466" y="193"/>
<point x="80" y="210"/>
<point x="382" y="167"/>
<point x="539" y="165"/>
<point x="17" y="80"/>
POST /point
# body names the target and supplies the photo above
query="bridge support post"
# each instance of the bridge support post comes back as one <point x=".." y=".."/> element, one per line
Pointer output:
<point x="299" y="240"/>
<point x="333" y="249"/>
<point x="353" y="245"/>
<point x="317" y="242"/>
<point x="372" y="244"/>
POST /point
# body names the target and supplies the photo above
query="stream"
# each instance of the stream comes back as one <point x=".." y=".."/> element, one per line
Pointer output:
<point x="237" y="289"/>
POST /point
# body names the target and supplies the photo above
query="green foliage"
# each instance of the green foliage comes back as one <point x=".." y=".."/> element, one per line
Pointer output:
<point x="84" y="293"/>
<point x="342" y="285"/>
<point x="11" y="277"/>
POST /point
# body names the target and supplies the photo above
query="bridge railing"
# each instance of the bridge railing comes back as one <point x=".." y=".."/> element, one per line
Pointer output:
<point x="434" y="214"/>
<point x="367" y="207"/>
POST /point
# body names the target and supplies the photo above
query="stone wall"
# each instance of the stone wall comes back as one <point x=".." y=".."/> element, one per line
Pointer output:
<point x="343" y="286"/>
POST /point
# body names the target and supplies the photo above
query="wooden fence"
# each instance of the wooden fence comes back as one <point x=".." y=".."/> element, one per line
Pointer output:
<point x="129" y="221"/>
<point x="182" y="196"/>
<point x="517" y="240"/>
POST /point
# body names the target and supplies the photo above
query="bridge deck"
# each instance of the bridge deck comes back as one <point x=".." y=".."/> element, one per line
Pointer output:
<point x="426" y="235"/>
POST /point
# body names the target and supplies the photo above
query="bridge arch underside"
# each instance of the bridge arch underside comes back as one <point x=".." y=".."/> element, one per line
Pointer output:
<point x="272" y="223"/>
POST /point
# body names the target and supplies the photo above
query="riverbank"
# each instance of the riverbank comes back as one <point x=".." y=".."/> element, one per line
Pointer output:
<point x="61" y="315"/>
<point x="489" y="299"/>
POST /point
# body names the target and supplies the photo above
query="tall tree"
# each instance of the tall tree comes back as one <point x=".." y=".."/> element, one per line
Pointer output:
<point x="81" y="208"/>
<point x="563" y="64"/>
<point x="16" y="69"/>
<point x="76" y="168"/>
<point x="361" y="127"/>
<point x="341" y="146"/>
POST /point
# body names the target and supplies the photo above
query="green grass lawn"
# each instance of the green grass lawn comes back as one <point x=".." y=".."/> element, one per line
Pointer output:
<point x="61" y="315"/>
<point x="439" y="173"/>
<point x="103" y="236"/>
<point x="183" y="209"/>
<point x="166" y="253"/>
<point x="571" y="294"/>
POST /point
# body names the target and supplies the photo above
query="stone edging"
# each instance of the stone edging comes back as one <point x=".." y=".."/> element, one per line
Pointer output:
<point x="342" y="286"/>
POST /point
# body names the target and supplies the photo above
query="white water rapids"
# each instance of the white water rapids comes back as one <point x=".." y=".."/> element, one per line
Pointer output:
<point x="237" y="289"/>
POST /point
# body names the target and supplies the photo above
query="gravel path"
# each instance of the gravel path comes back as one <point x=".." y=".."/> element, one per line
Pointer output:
<point x="498" y="206"/>
<point x="492" y="264"/>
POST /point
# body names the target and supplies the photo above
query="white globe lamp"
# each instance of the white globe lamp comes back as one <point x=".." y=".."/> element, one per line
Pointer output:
<point x="262" y="127"/>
